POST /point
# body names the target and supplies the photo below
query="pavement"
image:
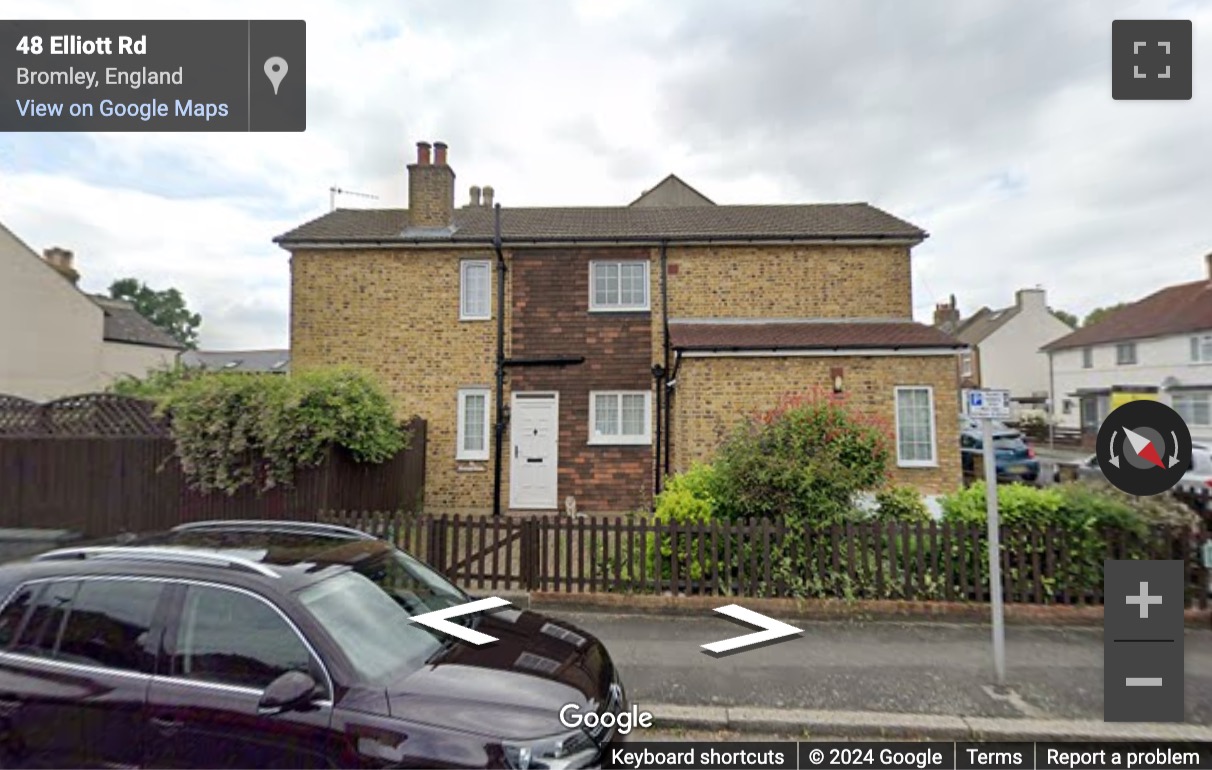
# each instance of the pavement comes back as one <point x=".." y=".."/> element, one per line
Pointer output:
<point x="884" y="678"/>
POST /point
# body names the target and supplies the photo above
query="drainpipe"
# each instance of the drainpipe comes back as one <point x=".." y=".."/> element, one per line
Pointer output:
<point x="664" y="381"/>
<point x="671" y="378"/>
<point x="499" y="427"/>
<point x="1051" y="405"/>
<point x="658" y="375"/>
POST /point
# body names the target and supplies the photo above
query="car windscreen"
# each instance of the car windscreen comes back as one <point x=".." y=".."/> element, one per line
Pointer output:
<point x="375" y="632"/>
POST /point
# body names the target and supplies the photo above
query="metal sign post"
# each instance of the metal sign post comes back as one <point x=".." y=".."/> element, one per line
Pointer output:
<point x="987" y="406"/>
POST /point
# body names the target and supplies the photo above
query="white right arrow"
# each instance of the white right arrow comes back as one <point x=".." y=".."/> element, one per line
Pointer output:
<point x="772" y="629"/>
<point x="437" y="620"/>
<point x="1174" y="457"/>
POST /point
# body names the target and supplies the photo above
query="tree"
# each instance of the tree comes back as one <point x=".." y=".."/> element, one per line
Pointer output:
<point x="166" y="309"/>
<point x="1067" y="317"/>
<point x="1099" y="313"/>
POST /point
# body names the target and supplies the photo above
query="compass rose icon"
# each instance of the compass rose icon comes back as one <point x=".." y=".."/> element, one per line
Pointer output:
<point x="1144" y="447"/>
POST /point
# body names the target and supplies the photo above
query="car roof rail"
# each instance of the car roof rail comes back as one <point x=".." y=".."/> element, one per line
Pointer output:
<point x="272" y="525"/>
<point x="172" y="555"/>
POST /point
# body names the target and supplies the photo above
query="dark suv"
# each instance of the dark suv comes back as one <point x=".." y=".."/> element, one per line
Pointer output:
<point x="271" y="644"/>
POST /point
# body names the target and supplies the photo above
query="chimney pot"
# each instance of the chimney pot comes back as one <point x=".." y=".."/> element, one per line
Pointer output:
<point x="488" y="195"/>
<point x="423" y="153"/>
<point x="475" y="195"/>
<point x="439" y="153"/>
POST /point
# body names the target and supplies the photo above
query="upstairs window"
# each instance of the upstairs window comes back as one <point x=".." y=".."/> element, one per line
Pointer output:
<point x="1125" y="353"/>
<point x="475" y="290"/>
<point x="618" y="286"/>
<point x="1087" y="358"/>
<point x="1201" y="349"/>
<point x="966" y="363"/>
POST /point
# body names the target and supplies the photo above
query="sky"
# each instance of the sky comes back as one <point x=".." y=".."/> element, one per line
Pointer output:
<point x="989" y="123"/>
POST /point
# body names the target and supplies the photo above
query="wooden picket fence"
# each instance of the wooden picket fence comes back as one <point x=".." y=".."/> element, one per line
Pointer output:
<point x="939" y="561"/>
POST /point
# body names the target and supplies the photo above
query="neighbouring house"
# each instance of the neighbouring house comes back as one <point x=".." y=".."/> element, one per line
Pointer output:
<point x="602" y="348"/>
<point x="1159" y="348"/>
<point x="1003" y="350"/>
<point x="256" y="361"/>
<point x="56" y="340"/>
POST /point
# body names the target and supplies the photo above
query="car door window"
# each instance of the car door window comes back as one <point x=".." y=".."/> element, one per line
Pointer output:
<point x="109" y="625"/>
<point x="45" y="622"/>
<point x="230" y="637"/>
<point x="12" y="615"/>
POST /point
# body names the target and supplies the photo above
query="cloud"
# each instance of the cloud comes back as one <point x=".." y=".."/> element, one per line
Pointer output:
<point x="990" y="124"/>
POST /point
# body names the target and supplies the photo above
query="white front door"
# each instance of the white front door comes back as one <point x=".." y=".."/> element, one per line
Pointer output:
<point x="534" y="449"/>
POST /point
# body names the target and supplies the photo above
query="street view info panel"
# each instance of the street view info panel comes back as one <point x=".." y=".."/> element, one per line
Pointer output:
<point x="650" y="384"/>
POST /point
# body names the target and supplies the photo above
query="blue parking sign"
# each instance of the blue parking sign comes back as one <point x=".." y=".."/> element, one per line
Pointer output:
<point x="976" y="398"/>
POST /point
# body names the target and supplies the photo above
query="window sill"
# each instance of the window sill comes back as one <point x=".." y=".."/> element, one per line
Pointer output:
<point x="645" y="441"/>
<point x="476" y="318"/>
<point x="620" y="310"/>
<point x="916" y="464"/>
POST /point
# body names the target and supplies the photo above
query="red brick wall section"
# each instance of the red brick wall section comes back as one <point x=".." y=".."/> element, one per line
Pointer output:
<point x="551" y="318"/>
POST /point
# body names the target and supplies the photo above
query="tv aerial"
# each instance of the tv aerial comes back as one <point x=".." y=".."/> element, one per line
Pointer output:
<point x="333" y="192"/>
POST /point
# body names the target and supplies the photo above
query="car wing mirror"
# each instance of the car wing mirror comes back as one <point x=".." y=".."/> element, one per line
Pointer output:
<point x="291" y="691"/>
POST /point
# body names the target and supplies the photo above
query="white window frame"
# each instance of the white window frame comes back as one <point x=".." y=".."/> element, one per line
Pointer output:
<point x="1087" y="358"/>
<point x="463" y="267"/>
<point x="966" y="367"/>
<point x="620" y="440"/>
<point x="1200" y="353"/>
<point x="1129" y="346"/>
<point x="1191" y="396"/>
<point x="461" y="433"/>
<point x="896" y="409"/>
<point x="594" y="307"/>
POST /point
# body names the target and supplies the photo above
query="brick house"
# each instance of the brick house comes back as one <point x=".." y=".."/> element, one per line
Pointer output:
<point x="632" y="338"/>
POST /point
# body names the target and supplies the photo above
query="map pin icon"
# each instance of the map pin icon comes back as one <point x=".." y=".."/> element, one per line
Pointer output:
<point x="275" y="70"/>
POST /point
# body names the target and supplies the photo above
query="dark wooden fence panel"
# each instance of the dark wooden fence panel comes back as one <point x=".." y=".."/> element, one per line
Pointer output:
<point x="931" y="562"/>
<point x="101" y="486"/>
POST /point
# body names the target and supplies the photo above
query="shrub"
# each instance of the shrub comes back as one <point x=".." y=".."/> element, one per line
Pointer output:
<point x="901" y="503"/>
<point x="234" y="430"/>
<point x="688" y="498"/>
<point x="800" y="463"/>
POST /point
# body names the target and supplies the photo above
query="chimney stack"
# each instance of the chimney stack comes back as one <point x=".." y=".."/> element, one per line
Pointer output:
<point x="946" y="315"/>
<point x="488" y="193"/>
<point x="63" y="262"/>
<point x="430" y="189"/>
<point x="1208" y="264"/>
<point x="475" y="196"/>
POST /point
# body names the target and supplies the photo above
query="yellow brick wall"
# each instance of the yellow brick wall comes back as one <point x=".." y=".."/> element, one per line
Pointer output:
<point x="713" y="394"/>
<point x="790" y="282"/>
<point x="396" y="315"/>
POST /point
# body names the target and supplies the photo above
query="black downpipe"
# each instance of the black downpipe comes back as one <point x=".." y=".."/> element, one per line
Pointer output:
<point x="668" y="392"/>
<point x="499" y="427"/>
<point x="658" y="375"/>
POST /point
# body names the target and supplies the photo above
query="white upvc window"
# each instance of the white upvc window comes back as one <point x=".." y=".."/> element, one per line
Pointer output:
<point x="1193" y="406"/>
<point x="1125" y="354"/>
<point x="618" y="286"/>
<point x="915" y="440"/>
<point x="1087" y="358"/>
<point x="966" y="363"/>
<point x="475" y="290"/>
<point x="620" y="417"/>
<point x="473" y="424"/>
<point x="1201" y="349"/>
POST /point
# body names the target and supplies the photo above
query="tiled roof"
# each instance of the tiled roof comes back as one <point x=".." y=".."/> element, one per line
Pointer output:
<point x="125" y="324"/>
<point x="614" y="223"/>
<point x="984" y="322"/>
<point x="805" y="335"/>
<point x="1186" y="307"/>
<point x="239" y="360"/>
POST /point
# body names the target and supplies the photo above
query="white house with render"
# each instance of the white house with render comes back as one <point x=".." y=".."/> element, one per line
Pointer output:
<point x="1159" y="347"/>
<point x="56" y="340"/>
<point x="1004" y="346"/>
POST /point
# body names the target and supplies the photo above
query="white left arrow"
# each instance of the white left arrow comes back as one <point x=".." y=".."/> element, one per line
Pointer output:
<point x="771" y="629"/>
<point x="438" y="620"/>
